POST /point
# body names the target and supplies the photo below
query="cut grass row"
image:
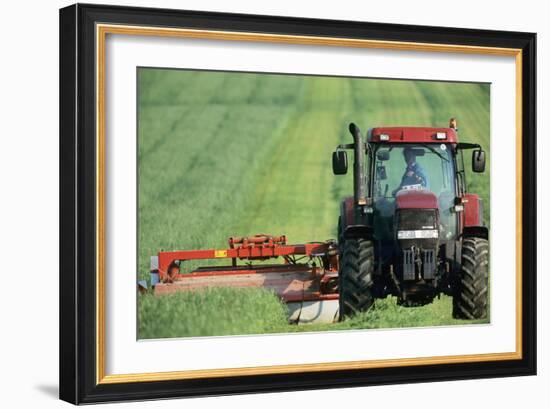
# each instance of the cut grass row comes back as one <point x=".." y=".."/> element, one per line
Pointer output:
<point x="224" y="154"/>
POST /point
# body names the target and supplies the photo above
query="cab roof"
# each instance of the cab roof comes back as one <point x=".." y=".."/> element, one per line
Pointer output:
<point x="411" y="134"/>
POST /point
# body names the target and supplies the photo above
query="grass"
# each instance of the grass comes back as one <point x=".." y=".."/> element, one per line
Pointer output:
<point x="224" y="154"/>
<point x="387" y="314"/>
<point x="216" y="311"/>
<point x="230" y="311"/>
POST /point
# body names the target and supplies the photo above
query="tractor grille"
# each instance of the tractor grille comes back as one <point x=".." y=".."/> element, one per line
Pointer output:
<point x="428" y="264"/>
<point x="410" y="257"/>
<point x="408" y="265"/>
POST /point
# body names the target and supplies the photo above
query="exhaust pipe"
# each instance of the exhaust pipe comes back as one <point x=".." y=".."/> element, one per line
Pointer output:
<point x="359" y="181"/>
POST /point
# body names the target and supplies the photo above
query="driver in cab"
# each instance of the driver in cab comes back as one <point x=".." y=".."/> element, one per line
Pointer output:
<point x="414" y="174"/>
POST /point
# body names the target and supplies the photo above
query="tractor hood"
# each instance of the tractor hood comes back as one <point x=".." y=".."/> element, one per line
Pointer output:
<point x="415" y="199"/>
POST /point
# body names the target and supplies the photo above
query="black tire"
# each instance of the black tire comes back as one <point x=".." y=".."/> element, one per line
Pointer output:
<point x="472" y="287"/>
<point x="356" y="277"/>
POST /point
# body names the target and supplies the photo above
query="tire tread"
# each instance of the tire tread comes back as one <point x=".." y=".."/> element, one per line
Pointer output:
<point x="356" y="277"/>
<point x="472" y="287"/>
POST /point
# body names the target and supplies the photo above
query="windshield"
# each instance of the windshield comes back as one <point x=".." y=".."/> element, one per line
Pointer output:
<point x="413" y="166"/>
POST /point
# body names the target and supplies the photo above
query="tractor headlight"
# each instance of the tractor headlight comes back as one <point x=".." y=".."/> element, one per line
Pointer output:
<point x="417" y="234"/>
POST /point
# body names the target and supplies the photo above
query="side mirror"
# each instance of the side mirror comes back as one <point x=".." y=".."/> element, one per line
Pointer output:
<point x="478" y="161"/>
<point x="340" y="162"/>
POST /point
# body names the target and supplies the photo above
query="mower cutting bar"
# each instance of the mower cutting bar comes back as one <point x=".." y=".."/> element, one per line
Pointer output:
<point x="255" y="252"/>
<point x="292" y="283"/>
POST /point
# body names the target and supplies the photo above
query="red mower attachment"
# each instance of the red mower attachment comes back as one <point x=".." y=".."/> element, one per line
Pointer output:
<point x="307" y="279"/>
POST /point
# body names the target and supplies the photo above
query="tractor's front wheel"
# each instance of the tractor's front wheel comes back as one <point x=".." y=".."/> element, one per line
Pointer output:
<point x="472" y="287"/>
<point x="356" y="277"/>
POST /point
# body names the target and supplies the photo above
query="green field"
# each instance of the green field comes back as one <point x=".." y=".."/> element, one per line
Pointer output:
<point x="224" y="154"/>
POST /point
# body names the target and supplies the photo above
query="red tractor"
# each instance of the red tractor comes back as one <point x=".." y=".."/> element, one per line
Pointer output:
<point x="411" y="229"/>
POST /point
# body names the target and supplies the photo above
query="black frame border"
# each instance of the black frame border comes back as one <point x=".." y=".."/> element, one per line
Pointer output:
<point x="78" y="197"/>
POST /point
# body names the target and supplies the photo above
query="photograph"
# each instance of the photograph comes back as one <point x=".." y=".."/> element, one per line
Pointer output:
<point x="280" y="203"/>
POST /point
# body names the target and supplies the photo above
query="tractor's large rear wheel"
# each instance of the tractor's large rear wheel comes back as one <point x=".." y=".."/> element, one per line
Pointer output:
<point x="472" y="287"/>
<point x="356" y="277"/>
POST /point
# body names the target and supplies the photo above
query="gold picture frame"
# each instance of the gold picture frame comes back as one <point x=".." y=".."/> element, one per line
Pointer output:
<point x="95" y="24"/>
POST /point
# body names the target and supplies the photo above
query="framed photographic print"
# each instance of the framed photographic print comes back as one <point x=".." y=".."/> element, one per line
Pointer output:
<point x="257" y="203"/>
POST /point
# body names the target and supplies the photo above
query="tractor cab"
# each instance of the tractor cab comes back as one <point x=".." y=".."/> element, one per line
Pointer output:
<point x="413" y="171"/>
